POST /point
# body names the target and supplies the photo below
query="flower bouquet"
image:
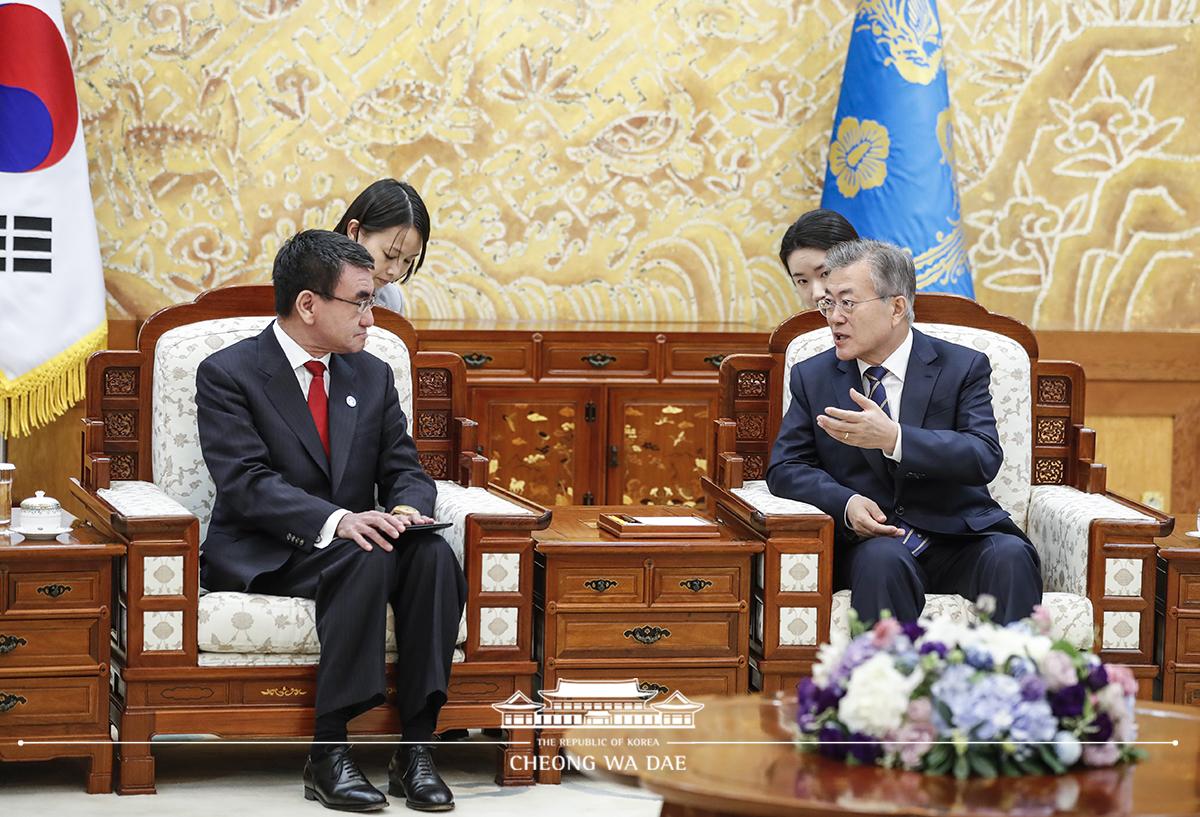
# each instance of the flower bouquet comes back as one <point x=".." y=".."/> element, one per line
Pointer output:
<point x="947" y="697"/>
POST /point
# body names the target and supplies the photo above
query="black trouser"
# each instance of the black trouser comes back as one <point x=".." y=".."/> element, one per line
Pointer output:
<point x="422" y="581"/>
<point x="883" y="575"/>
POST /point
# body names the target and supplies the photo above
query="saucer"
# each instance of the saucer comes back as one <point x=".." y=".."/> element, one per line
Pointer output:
<point x="40" y="534"/>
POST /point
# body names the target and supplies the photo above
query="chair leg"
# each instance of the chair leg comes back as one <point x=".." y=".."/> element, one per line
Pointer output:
<point x="517" y="759"/>
<point x="99" y="780"/>
<point x="548" y="749"/>
<point x="135" y="764"/>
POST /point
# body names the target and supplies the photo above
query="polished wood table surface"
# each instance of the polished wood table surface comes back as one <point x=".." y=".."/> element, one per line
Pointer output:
<point x="738" y="760"/>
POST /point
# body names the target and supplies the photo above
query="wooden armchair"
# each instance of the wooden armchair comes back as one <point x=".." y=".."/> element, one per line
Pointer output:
<point x="240" y="664"/>
<point x="1097" y="549"/>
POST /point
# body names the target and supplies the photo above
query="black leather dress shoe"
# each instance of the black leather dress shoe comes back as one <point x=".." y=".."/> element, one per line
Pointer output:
<point x="334" y="780"/>
<point x="412" y="775"/>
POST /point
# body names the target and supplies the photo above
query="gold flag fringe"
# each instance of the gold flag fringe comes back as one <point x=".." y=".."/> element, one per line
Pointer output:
<point x="43" y="394"/>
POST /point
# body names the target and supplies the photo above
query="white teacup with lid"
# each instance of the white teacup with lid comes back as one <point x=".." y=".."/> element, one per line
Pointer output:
<point x="41" y="514"/>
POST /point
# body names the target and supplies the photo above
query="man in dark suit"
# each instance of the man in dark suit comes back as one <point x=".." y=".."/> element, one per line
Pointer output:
<point x="892" y="434"/>
<point x="301" y="430"/>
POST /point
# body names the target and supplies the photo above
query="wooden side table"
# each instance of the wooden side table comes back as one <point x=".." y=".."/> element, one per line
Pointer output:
<point x="1177" y="609"/>
<point x="55" y="629"/>
<point x="672" y="613"/>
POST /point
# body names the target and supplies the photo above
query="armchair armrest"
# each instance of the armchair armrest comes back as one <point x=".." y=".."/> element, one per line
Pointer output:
<point x="134" y="509"/>
<point x="490" y="508"/>
<point x="1062" y="521"/>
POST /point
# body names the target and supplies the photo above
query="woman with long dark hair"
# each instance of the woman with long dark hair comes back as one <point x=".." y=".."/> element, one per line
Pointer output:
<point x="391" y="221"/>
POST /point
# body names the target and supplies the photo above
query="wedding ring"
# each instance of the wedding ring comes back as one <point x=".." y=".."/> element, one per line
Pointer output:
<point x="845" y="436"/>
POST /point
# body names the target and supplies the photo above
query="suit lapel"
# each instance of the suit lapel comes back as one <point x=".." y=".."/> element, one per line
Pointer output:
<point x="343" y="414"/>
<point x="283" y="390"/>
<point x="848" y="378"/>
<point x="919" y="380"/>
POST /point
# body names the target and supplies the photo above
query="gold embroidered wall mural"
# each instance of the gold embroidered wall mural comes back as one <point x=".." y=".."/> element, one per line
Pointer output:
<point x="592" y="159"/>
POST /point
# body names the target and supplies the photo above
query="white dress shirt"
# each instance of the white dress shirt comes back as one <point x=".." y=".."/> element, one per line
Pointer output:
<point x="893" y="386"/>
<point x="296" y="358"/>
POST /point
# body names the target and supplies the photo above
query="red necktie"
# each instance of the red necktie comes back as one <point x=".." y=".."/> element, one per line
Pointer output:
<point x="318" y="401"/>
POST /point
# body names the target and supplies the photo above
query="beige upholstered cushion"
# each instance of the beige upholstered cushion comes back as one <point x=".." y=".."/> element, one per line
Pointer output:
<point x="175" y="450"/>
<point x="1010" y="388"/>
<point x="1071" y="614"/>
<point x="253" y="623"/>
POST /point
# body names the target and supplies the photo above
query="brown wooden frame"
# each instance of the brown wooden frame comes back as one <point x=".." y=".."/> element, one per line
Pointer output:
<point x="750" y="406"/>
<point x="168" y="692"/>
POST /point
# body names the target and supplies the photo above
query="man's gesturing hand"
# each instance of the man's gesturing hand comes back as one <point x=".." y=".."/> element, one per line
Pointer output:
<point x="370" y="526"/>
<point x="867" y="519"/>
<point x="869" y="428"/>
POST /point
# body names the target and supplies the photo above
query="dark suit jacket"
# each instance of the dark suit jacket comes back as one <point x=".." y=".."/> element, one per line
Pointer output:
<point x="275" y="486"/>
<point x="950" y="449"/>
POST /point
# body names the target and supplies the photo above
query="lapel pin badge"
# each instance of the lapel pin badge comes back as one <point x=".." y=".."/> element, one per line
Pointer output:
<point x="350" y="401"/>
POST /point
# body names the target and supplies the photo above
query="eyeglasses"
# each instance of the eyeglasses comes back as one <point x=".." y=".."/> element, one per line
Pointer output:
<point x="826" y="306"/>
<point x="363" y="305"/>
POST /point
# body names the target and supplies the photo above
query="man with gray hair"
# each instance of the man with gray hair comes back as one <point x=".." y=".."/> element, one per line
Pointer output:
<point x="892" y="434"/>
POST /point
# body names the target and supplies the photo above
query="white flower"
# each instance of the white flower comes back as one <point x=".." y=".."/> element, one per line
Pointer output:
<point x="1068" y="748"/>
<point x="1111" y="699"/>
<point x="1002" y="643"/>
<point x="828" y="657"/>
<point x="876" y="696"/>
<point x="946" y="631"/>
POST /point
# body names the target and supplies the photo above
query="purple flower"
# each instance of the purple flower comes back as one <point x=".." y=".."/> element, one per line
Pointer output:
<point x="1102" y="728"/>
<point x="1032" y="722"/>
<point x="982" y="708"/>
<point x="1068" y="701"/>
<point x="1020" y="666"/>
<point x="979" y="659"/>
<point x="1097" y="679"/>
<point x="866" y="751"/>
<point x="857" y="652"/>
<point x="1032" y="688"/>
<point x="913" y="630"/>
<point x="934" y="646"/>
<point x="829" y="743"/>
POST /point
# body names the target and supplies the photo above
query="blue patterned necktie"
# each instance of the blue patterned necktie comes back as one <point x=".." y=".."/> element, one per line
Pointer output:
<point x="875" y="389"/>
<point x="913" y="539"/>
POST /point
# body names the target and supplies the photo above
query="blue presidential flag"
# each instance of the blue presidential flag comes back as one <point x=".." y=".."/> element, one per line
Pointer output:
<point x="891" y="154"/>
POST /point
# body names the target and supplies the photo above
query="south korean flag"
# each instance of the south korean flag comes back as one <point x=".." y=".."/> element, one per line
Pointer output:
<point x="52" y="303"/>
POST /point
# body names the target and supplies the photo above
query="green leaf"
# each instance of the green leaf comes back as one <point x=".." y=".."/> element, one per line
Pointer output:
<point x="981" y="764"/>
<point x="1009" y="767"/>
<point x="944" y="711"/>
<point x="938" y="755"/>
<point x="1046" y="752"/>
<point x="962" y="767"/>
<point x="1030" y="765"/>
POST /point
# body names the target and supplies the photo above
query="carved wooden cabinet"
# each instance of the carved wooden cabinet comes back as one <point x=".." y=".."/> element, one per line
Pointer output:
<point x="588" y="414"/>
<point x="674" y="613"/>
<point x="1178" y="618"/>
<point x="55" y="619"/>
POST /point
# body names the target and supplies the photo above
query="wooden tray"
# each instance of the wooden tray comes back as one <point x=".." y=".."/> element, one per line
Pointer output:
<point x="649" y="526"/>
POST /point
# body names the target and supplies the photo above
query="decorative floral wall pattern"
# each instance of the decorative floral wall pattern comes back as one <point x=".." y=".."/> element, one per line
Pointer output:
<point x="593" y="159"/>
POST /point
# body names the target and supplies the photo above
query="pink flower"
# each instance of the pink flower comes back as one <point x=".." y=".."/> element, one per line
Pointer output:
<point x="1058" y="671"/>
<point x="1100" y="754"/>
<point x="920" y="711"/>
<point x="885" y="632"/>
<point x="913" y="741"/>
<point x="1041" y="619"/>
<point x="1123" y="675"/>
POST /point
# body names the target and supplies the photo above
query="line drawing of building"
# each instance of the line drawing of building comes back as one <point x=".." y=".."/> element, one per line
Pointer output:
<point x="598" y="705"/>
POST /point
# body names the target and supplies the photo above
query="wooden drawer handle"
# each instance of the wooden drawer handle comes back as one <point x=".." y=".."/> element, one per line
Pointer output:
<point x="54" y="590"/>
<point x="600" y="585"/>
<point x="696" y="585"/>
<point x="476" y="360"/>
<point x="715" y="360"/>
<point x="649" y="686"/>
<point x="647" y="634"/>
<point x="7" y="701"/>
<point x="598" y="360"/>
<point x="8" y="643"/>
